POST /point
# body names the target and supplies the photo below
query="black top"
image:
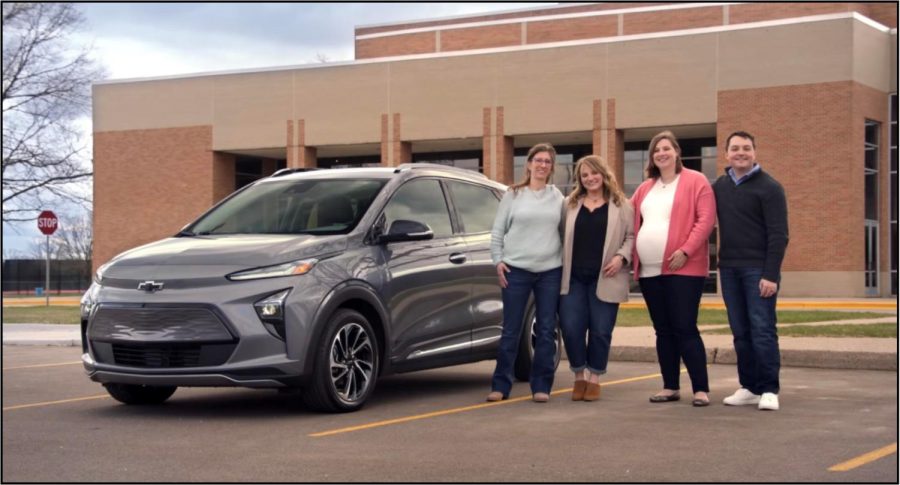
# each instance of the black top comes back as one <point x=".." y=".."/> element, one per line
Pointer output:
<point x="589" y="237"/>
<point x="753" y="225"/>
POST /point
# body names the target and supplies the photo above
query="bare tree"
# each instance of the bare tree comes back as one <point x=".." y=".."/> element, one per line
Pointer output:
<point x="72" y="240"/>
<point x="45" y="89"/>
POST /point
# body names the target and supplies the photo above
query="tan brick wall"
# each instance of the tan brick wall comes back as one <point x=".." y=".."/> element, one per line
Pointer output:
<point x="810" y="138"/>
<point x="149" y="183"/>
<point x="572" y="29"/>
<point x="396" y="45"/>
<point x="693" y="18"/>
<point x="481" y="37"/>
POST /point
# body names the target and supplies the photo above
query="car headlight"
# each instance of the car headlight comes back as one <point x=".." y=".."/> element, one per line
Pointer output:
<point x="293" y="268"/>
<point x="98" y="276"/>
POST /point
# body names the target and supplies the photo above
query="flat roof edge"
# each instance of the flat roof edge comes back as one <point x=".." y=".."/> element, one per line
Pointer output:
<point x="518" y="48"/>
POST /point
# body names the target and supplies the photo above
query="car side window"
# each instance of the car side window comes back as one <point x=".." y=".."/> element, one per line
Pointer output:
<point x="475" y="205"/>
<point x="422" y="201"/>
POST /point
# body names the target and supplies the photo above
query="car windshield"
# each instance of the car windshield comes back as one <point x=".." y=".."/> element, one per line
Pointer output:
<point x="318" y="206"/>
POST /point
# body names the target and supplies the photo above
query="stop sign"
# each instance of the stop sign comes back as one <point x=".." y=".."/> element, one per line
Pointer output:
<point x="47" y="222"/>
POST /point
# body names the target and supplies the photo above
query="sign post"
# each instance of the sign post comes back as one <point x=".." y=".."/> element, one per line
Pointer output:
<point x="47" y="224"/>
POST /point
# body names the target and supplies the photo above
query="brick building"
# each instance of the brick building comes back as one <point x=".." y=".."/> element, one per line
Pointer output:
<point x="816" y="83"/>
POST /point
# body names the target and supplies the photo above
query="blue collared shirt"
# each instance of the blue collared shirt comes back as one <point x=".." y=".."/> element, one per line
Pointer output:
<point x="739" y="181"/>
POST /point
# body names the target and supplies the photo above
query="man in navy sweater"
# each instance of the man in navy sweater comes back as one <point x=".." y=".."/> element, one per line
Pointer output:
<point x="753" y="236"/>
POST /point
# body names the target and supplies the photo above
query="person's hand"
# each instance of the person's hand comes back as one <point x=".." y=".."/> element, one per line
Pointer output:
<point x="767" y="288"/>
<point x="502" y="269"/>
<point x="677" y="260"/>
<point x="614" y="266"/>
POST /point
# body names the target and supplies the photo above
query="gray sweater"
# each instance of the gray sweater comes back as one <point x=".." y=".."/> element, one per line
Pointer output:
<point x="526" y="231"/>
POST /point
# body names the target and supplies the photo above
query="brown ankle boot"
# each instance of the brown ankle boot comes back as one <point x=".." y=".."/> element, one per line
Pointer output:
<point x="592" y="393"/>
<point x="578" y="390"/>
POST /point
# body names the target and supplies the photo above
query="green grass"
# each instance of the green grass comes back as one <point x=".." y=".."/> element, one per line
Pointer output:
<point x="628" y="317"/>
<point x="877" y="330"/>
<point x="41" y="314"/>
<point x="637" y="317"/>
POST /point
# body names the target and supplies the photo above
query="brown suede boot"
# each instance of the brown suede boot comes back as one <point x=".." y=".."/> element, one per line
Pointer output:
<point x="578" y="390"/>
<point x="592" y="393"/>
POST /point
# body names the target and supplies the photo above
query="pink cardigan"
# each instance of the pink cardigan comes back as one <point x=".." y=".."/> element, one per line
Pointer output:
<point x="692" y="221"/>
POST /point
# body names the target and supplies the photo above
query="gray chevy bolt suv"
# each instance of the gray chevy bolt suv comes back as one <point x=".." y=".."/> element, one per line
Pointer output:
<point x="319" y="280"/>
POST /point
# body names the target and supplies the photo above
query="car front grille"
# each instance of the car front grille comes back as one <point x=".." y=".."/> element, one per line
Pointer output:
<point x="158" y="357"/>
<point x="162" y="356"/>
<point x="157" y="324"/>
<point x="159" y="337"/>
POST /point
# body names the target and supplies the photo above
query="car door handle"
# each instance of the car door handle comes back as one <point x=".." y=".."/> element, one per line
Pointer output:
<point x="458" y="258"/>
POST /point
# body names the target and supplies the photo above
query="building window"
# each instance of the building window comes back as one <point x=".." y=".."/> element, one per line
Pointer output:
<point x="247" y="170"/>
<point x="696" y="154"/>
<point x="349" y="162"/>
<point x="563" y="170"/>
<point x="871" y="149"/>
<point x="469" y="160"/>
<point x="893" y="192"/>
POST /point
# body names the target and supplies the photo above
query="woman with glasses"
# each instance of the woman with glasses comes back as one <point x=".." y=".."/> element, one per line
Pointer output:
<point x="597" y="244"/>
<point x="674" y="214"/>
<point x="525" y="248"/>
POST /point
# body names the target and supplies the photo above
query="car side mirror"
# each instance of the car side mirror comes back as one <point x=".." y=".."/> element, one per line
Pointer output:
<point x="405" y="230"/>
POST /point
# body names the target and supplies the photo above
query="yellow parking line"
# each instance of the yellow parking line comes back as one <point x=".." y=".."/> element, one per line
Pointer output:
<point x="445" y="412"/>
<point x="49" y="403"/>
<point x="863" y="459"/>
<point x="35" y="366"/>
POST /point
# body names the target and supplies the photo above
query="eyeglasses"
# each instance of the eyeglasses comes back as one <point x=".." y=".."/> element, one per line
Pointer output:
<point x="545" y="161"/>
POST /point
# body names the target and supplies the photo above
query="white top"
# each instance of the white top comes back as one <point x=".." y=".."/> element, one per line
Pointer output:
<point x="656" y="212"/>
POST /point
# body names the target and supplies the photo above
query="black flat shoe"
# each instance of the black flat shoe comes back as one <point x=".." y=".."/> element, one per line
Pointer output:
<point x="699" y="403"/>
<point x="669" y="398"/>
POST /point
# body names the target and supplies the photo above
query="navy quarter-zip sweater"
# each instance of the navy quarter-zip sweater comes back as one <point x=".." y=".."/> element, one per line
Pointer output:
<point x="753" y="226"/>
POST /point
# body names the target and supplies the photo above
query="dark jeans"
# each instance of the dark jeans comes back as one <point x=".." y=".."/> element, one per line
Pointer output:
<point x="545" y="286"/>
<point x="580" y="313"/>
<point x="673" y="302"/>
<point x="752" y="320"/>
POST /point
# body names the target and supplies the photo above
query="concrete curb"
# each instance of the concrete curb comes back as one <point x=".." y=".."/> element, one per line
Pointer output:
<point x="822" y="359"/>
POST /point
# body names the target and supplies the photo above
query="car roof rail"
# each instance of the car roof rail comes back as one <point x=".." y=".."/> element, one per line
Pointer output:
<point x="286" y="171"/>
<point x="438" y="166"/>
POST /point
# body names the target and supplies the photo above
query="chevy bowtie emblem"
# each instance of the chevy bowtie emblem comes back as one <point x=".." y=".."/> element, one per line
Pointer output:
<point x="150" y="286"/>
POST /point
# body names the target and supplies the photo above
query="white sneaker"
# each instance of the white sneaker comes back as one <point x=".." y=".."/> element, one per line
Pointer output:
<point x="768" y="402"/>
<point x="742" y="397"/>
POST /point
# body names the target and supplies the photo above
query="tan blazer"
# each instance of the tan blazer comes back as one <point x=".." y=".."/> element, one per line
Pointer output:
<point x="619" y="240"/>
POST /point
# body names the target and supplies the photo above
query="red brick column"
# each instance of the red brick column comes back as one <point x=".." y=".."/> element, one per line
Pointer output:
<point x="298" y="154"/>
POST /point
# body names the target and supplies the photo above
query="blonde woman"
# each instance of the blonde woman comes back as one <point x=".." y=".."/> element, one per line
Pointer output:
<point x="525" y="248"/>
<point x="598" y="241"/>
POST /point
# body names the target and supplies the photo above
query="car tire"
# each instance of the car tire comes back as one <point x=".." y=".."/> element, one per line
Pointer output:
<point x="526" y="346"/>
<point x="346" y="366"/>
<point x="138" y="394"/>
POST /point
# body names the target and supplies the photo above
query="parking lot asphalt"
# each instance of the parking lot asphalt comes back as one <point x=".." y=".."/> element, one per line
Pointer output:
<point x="435" y="426"/>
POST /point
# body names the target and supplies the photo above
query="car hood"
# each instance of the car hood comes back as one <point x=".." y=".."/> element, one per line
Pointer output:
<point x="203" y="257"/>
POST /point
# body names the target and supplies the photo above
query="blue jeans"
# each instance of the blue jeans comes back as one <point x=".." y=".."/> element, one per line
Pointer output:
<point x="580" y="313"/>
<point x="545" y="286"/>
<point x="752" y="320"/>
<point x="673" y="302"/>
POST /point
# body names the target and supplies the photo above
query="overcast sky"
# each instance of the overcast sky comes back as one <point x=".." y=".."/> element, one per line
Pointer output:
<point x="142" y="40"/>
<point x="133" y="40"/>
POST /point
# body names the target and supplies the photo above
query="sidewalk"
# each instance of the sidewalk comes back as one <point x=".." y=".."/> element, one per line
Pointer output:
<point x="628" y="343"/>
